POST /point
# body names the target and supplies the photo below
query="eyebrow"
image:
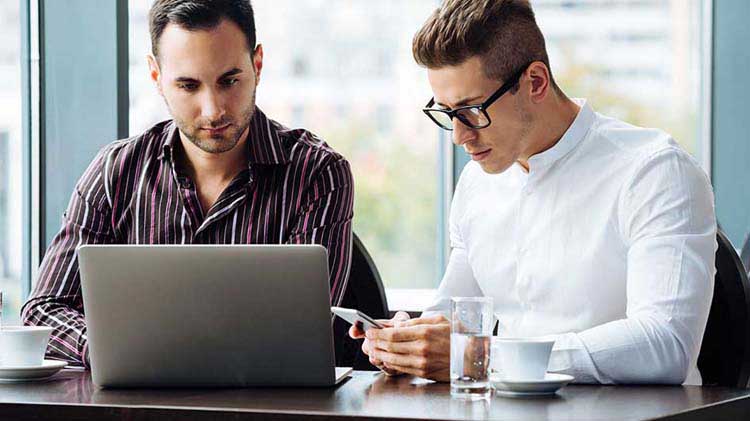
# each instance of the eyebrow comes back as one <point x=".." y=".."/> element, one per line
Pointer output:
<point x="185" y="79"/>
<point x="232" y="72"/>
<point x="463" y="102"/>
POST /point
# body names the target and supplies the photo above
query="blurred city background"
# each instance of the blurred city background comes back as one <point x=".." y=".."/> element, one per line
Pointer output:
<point x="343" y="69"/>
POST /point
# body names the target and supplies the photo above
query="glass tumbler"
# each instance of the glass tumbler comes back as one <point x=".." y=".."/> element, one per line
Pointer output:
<point x="471" y="330"/>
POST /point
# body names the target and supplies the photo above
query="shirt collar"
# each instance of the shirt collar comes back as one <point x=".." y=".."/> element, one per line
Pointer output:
<point x="168" y="134"/>
<point x="265" y="141"/>
<point x="570" y="139"/>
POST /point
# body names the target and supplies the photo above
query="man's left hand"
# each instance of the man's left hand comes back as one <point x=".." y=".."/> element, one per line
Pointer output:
<point x="418" y="346"/>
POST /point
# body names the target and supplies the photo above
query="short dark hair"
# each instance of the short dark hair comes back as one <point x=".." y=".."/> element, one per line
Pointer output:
<point x="503" y="33"/>
<point x="195" y="15"/>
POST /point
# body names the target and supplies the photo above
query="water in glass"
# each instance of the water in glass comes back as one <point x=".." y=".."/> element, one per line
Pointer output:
<point x="470" y="360"/>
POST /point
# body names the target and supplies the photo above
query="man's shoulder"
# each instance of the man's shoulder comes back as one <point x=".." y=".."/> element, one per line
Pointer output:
<point x="640" y="146"/>
<point x="303" y="146"/>
<point x="645" y="155"/>
<point x="629" y="140"/>
<point x="143" y="145"/>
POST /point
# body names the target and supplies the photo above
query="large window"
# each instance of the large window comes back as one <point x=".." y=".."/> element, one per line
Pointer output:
<point x="11" y="187"/>
<point x="343" y="69"/>
<point x="637" y="60"/>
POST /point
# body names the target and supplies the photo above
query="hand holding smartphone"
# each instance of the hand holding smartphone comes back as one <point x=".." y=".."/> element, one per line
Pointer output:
<point x="356" y="317"/>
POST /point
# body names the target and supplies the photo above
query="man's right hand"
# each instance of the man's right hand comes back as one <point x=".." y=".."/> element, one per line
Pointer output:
<point x="357" y="332"/>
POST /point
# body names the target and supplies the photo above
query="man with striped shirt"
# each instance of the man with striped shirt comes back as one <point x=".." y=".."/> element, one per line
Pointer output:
<point x="219" y="172"/>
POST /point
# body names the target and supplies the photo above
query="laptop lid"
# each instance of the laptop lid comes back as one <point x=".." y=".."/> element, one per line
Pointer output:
<point x="207" y="315"/>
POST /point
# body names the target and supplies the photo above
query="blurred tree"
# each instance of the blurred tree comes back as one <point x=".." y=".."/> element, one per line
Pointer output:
<point x="395" y="201"/>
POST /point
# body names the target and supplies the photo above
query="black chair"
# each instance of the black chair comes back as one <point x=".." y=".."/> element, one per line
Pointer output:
<point x="364" y="292"/>
<point x="745" y="254"/>
<point x="724" y="359"/>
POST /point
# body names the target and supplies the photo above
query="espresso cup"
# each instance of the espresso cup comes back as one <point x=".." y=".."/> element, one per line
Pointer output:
<point x="23" y="346"/>
<point x="521" y="358"/>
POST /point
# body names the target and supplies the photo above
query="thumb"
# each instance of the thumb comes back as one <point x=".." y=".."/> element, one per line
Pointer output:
<point x="355" y="332"/>
<point x="400" y="317"/>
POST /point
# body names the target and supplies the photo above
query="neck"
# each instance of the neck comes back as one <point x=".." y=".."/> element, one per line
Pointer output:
<point x="549" y="127"/>
<point x="204" y="165"/>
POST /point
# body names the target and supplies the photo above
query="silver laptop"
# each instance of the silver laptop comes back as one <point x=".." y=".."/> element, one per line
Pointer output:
<point x="212" y="315"/>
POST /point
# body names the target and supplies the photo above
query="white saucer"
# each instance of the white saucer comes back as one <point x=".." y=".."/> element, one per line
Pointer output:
<point x="39" y="372"/>
<point x="511" y="387"/>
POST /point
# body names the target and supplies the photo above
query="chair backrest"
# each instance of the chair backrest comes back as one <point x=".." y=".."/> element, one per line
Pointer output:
<point x="364" y="292"/>
<point x="745" y="254"/>
<point x="724" y="358"/>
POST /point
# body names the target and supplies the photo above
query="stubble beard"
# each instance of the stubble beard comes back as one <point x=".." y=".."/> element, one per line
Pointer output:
<point x="527" y="124"/>
<point x="224" y="142"/>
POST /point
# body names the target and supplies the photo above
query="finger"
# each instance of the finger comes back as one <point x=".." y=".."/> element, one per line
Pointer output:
<point x="406" y="370"/>
<point x="355" y="332"/>
<point x="379" y="364"/>
<point x="396" y="334"/>
<point x="390" y="372"/>
<point x="409" y="333"/>
<point x="430" y="320"/>
<point x="419" y="347"/>
<point x="402" y="360"/>
<point x="424" y="373"/>
<point x="400" y="317"/>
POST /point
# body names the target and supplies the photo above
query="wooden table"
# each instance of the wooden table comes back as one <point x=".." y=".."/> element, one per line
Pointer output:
<point x="367" y="395"/>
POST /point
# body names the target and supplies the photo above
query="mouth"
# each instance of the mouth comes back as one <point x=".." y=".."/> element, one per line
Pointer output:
<point x="214" y="131"/>
<point x="478" y="156"/>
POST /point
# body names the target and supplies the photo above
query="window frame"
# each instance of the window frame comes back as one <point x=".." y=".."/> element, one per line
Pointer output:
<point x="728" y="122"/>
<point x="43" y="137"/>
<point x="30" y="137"/>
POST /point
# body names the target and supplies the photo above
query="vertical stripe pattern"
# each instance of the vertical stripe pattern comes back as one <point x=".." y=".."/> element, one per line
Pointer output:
<point x="296" y="190"/>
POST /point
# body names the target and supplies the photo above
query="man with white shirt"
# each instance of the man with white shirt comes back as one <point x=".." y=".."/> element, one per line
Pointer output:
<point x="578" y="225"/>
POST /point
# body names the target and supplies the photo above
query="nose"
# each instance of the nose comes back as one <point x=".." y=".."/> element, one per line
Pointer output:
<point x="462" y="133"/>
<point x="212" y="106"/>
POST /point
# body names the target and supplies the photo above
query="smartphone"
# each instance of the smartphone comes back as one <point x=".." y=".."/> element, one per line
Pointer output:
<point x="356" y="317"/>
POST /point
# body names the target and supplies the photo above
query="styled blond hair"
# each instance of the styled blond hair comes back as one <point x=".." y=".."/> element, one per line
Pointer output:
<point x="503" y="33"/>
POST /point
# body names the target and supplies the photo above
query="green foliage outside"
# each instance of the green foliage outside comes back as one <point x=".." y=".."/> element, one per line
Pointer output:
<point x="576" y="81"/>
<point x="395" y="212"/>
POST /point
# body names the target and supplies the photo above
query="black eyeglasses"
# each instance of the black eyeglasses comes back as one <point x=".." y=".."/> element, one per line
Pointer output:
<point x="472" y="116"/>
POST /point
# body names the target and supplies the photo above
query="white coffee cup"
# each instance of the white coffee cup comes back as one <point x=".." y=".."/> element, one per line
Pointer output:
<point x="521" y="358"/>
<point x="23" y="346"/>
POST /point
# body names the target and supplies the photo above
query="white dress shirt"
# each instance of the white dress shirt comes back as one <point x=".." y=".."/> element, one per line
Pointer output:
<point x="607" y="243"/>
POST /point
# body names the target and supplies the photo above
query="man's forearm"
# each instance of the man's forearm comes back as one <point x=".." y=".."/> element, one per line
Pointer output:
<point x="638" y="350"/>
<point x="68" y="341"/>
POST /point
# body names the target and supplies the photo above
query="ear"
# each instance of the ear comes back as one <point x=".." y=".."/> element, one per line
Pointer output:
<point x="539" y="75"/>
<point x="154" y="71"/>
<point x="258" y="62"/>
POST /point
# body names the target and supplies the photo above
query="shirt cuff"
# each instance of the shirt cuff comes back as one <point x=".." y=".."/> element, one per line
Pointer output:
<point x="570" y="356"/>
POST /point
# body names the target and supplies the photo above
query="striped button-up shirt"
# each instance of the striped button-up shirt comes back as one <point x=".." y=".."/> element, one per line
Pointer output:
<point x="296" y="190"/>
